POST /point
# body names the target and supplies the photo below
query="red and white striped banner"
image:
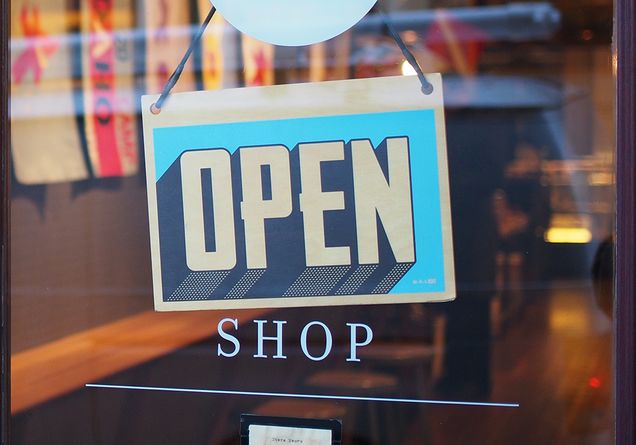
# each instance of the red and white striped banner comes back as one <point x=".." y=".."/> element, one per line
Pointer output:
<point x="108" y="87"/>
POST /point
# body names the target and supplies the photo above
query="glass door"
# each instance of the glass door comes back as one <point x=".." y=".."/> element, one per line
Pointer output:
<point x="523" y="353"/>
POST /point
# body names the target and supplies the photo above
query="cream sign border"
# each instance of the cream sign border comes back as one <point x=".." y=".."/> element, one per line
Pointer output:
<point x="377" y="95"/>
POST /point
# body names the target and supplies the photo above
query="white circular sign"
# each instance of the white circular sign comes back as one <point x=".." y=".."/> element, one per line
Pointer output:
<point x="293" y="22"/>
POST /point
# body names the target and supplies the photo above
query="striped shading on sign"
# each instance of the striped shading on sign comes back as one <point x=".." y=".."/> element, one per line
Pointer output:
<point x="46" y="146"/>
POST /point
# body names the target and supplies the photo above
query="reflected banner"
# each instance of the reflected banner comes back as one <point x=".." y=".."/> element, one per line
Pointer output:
<point x="316" y="194"/>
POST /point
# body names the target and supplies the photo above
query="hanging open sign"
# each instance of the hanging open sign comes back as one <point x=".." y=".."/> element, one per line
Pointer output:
<point x="329" y="193"/>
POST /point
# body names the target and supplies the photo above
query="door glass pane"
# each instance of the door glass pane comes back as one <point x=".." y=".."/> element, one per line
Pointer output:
<point x="522" y="355"/>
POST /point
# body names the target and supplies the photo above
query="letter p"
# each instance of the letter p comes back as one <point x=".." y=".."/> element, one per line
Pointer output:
<point x="355" y="343"/>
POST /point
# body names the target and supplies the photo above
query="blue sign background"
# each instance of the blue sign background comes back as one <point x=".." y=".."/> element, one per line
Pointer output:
<point x="427" y="274"/>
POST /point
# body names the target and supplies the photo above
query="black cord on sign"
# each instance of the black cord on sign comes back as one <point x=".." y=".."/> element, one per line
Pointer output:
<point x="174" y="78"/>
<point x="427" y="87"/>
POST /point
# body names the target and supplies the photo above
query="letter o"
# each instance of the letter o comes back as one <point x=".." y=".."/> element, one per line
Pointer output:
<point x="328" y="341"/>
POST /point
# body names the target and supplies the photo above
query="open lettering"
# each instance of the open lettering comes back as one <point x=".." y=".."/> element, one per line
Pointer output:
<point x="360" y="335"/>
<point x="242" y="197"/>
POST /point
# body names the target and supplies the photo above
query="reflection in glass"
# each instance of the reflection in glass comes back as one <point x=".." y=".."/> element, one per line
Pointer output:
<point x="530" y="128"/>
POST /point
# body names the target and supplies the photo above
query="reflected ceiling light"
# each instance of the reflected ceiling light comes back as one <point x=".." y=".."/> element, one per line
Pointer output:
<point x="594" y="382"/>
<point x="407" y="69"/>
<point x="568" y="235"/>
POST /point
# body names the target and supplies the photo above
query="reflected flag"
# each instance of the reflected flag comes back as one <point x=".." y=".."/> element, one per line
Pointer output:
<point x="168" y="33"/>
<point x="39" y="47"/>
<point x="258" y="62"/>
<point x="45" y="142"/>
<point x="108" y="87"/>
<point x="458" y="44"/>
<point x="218" y="51"/>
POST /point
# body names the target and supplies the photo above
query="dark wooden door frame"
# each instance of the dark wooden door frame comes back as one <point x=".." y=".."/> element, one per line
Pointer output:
<point x="625" y="332"/>
<point x="5" y="362"/>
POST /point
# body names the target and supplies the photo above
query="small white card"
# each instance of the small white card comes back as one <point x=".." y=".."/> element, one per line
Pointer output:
<point x="282" y="435"/>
